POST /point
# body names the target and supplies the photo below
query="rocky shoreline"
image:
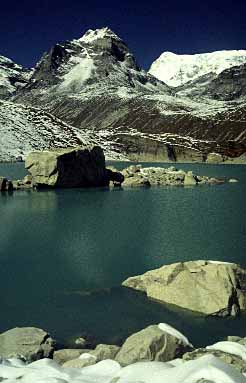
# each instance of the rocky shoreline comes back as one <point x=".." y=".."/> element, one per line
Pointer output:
<point x="156" y="354"/>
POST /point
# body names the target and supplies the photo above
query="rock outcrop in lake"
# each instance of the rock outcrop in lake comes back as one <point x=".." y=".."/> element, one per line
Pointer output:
<point x="208" y="287"/>
<point x="68" y="168"/>
<point x="136" y="175"/>
<point x="5" y="184"/>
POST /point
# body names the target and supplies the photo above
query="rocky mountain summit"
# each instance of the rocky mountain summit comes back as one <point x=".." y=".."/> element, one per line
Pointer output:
<point x="95" y="85"/>
<point x="97" y="62"/>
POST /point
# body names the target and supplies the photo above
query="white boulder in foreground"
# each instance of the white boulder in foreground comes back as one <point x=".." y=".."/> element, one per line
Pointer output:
<point x="207" y="368"/>
<point x="208" y="287"/>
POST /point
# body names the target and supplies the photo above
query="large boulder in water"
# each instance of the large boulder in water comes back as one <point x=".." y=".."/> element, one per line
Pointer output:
<point x="208" y="287"/>
<point x="72" y="167"/>
<point x="28" y="342"/>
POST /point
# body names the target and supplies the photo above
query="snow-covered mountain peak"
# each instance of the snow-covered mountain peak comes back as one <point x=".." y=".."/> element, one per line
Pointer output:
<point x="98" y="62"/>
<point x="92" y="35"/>
<point x="176" y="70"/>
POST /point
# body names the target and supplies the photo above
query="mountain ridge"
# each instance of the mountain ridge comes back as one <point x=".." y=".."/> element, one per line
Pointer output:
<point x="95" y="85"/>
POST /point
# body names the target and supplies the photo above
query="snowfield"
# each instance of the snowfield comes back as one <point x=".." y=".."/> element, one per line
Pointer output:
<point x="176" y="70"/>
<point x="207" y="367"/>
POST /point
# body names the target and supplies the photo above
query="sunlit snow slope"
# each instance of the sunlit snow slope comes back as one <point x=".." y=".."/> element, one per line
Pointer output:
<point x="176" y="70"/>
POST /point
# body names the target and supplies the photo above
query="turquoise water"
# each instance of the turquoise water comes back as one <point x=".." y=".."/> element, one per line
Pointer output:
<point x="64" y="253"/>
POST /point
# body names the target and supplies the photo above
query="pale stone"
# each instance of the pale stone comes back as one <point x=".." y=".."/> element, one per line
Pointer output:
<point x="29" y="342"/>
<point x="66" y="354"/>
<point x="150" y="344"/>
<point x="202" y="286"/>
<point x="214" y="158"/>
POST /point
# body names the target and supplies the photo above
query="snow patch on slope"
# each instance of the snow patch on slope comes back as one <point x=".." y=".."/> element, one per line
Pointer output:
<point x="176" y="70"/>
<point x="79" y="74"/>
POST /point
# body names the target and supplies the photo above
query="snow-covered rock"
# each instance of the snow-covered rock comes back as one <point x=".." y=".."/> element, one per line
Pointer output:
<point x="206" y="368"/>
<point x="154" y="343"/>
<point x="176" y="70"/>
<point x="230" y="348"/>
<point x="12" y="77"/>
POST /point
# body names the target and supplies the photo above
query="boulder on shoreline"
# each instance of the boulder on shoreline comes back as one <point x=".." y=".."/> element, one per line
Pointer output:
<point x="154" y="343"/>
<point x="66" y="354"/>
<point x="208" y="287"/>
<point x="148" y="356"/>
<point x="29" y="342"/>
<point x="229" y="352"/>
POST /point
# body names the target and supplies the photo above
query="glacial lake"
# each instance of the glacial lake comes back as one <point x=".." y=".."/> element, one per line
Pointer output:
<point x="64" y="253"/>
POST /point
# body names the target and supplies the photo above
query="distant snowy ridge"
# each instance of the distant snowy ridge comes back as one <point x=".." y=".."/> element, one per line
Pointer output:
<point x="12" y="76"/>
<point x="176" y="70"/>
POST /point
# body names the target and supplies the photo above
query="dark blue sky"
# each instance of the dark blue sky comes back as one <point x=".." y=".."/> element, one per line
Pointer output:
<point x="30" y="27"/>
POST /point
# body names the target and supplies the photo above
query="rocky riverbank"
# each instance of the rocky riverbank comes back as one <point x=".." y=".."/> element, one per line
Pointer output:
<point x="156" y="354"/>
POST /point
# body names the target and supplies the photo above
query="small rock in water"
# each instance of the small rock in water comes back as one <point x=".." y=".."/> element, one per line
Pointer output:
<point x="81" y="342"/>
<point x="233" y="180"/>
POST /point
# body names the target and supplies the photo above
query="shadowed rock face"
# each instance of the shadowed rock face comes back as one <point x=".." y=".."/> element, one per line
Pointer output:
<point x="80" y="167"/>
<point x="212" y="288"/>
